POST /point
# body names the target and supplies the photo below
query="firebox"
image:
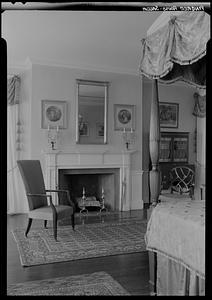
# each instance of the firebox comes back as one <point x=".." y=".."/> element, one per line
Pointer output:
<point x="93" y="182"/>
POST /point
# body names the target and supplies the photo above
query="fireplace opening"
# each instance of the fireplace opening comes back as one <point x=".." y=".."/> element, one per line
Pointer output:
<point x="93" y="181"/>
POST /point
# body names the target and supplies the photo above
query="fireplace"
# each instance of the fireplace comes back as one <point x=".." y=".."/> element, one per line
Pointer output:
<point x="92" y="181"/>
<point x="93" y="170"/>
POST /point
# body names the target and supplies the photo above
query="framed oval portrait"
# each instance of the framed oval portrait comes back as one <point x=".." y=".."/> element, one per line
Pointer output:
<point x="124" y="117"/>
<point x="53" y="114"/>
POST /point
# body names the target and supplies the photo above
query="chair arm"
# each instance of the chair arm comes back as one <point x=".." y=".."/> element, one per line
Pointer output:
<point x="64" y="191"/>
<point x="57" y="191"/>
<point x="42" y="195"/>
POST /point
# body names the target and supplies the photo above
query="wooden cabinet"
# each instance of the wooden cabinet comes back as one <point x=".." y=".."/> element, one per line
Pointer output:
<point x="174" y="147"/>
<point x="174" y="151"/>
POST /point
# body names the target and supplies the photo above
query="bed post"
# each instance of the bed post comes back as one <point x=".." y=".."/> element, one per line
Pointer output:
<point x="154" y="174"/>
<point x="154" y="144"/>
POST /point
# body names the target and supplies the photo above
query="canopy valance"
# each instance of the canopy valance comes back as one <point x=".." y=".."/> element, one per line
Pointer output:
<point x="177" y="50"/>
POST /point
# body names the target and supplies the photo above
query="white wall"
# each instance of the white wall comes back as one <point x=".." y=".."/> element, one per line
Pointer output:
<point x="58" y="83"/>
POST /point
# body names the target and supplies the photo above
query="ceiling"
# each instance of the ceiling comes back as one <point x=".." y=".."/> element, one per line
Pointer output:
<point x="98" y="40"/>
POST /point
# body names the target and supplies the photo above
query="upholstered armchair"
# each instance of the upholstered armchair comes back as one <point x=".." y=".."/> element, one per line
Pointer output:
<point x="39" y="206"/>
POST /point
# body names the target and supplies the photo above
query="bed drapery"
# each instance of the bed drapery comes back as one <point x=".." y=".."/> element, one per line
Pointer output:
<point x="177" y="50"/>
<point x="186" y="219"/>
<point x="173" y="52"/>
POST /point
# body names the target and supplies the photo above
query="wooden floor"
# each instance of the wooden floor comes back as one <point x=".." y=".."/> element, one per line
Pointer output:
<point x="130" y="270"/>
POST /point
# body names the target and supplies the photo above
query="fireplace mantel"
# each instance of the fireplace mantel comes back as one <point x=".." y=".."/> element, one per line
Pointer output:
<point x="86" y="159"/>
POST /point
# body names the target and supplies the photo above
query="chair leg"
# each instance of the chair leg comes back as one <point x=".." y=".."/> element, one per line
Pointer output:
<point x="55" y="226"/>
<point x="28" y="226"/>
<point x="73" y="220"/>
<point x="45" y="223"/>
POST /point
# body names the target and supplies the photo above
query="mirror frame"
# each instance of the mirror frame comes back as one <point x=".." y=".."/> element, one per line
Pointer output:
<point x="105" y="84"/>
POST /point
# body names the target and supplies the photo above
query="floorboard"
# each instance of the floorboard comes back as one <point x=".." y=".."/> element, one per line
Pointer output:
<point x="130" y="270"/>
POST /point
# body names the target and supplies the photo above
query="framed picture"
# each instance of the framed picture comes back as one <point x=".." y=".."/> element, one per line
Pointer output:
<point x="124" y="117"/>
<point x="169" y="114"/>
<point x="100" y="129"/>
<point x="84" y="130"/>
<point x="53" y="114"/>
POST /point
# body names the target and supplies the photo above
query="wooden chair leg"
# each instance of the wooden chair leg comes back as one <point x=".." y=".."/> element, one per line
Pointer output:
<point x="45" y="223"/>
<point x="28" y="226"/>
<point x="55" y="226"/>
<point x="73" y="221"/>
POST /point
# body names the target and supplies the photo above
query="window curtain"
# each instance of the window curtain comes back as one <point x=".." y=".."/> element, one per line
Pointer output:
<point x="15" y="199"/>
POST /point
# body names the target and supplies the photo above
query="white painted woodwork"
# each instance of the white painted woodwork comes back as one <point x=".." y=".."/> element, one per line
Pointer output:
<point x="56" y="160"/>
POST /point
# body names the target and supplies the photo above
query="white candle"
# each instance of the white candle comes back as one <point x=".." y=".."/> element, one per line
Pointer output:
<point x="48" y="127"/>
<point x="124" y="130"/>
<point x="102" y="190"/>
<point x="57" y="128"/>
<point x="131" y="130"/>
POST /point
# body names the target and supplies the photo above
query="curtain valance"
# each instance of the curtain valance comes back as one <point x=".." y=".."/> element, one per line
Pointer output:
<point x="177" y="50"/>
<point x="13" y="90"/>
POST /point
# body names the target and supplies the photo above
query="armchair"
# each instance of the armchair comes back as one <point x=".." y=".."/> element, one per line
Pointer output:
<point x="37" y="196"/>
<point x="182" y="180"/>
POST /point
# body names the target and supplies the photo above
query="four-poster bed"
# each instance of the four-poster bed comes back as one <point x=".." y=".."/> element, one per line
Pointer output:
<point x="174" y="51"/>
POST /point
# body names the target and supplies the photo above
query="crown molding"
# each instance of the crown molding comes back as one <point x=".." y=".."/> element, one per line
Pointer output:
<point x="79" y="66"/>
<point x="21" y="66"/>
<point x="29" y="62"/>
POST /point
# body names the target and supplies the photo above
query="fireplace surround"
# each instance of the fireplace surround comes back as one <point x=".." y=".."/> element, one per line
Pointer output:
<point x="112" y="170"/>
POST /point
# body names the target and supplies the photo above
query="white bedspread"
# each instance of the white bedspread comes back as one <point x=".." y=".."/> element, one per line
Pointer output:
<point x="176" y="229"/>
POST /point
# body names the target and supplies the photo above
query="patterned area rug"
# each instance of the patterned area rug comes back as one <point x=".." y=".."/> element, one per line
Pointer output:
<point x="99" y="283"/>
<point x="87" y="241"/>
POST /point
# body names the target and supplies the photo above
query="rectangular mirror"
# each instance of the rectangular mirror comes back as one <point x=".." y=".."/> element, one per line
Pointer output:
<point x="91" y="112"/>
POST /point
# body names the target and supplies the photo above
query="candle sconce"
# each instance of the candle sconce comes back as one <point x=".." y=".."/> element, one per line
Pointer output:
<point x="128" y="137"/>
<point x="53" y="137"/>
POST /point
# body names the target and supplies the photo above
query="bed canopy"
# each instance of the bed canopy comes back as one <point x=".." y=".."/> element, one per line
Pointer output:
<point x="174" y="51"/>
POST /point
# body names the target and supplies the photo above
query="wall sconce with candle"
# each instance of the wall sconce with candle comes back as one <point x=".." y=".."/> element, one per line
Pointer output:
<point x="128" y="137"/>
<point x="53" y="118"/>
<point x="53" y="137"/>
